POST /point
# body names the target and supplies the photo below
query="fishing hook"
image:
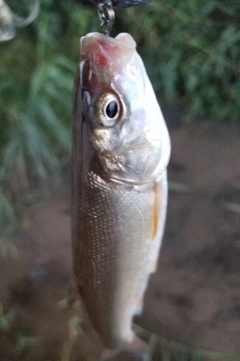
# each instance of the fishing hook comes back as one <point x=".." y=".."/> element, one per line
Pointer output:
<point x="106" y="16"/>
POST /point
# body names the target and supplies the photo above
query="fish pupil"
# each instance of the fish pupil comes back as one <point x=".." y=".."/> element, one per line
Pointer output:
<point x="112" y="109"/>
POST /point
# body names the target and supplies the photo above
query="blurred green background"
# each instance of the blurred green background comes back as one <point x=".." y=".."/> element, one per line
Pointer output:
<point x="191" y="52"/>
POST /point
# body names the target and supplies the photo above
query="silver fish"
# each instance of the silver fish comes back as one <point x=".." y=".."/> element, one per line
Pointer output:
<point x="121" y="149"/>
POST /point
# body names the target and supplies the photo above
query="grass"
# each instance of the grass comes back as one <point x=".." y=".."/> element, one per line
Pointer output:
<point x="37" y="138"/>
<point x="37" y="70"/>
<point x="191" y="49"/>
<point x="14" y="334"/>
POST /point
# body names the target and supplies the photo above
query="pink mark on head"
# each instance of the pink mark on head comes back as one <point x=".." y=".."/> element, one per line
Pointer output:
<point x="101" y="59"/>
<point x="102" y="52"/>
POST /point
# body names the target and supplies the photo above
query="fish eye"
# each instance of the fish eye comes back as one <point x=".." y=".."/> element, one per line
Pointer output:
<point x="112" y="109"/>
<point x="108" y="109"/>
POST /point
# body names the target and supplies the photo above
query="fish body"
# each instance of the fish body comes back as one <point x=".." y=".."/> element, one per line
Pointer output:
<point x="121" y="149"/>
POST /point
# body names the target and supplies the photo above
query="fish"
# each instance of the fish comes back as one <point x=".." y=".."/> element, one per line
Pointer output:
<point x="121" y="149"/>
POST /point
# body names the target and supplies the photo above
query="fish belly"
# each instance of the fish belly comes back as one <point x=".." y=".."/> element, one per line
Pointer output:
<point x="114" y="250"/>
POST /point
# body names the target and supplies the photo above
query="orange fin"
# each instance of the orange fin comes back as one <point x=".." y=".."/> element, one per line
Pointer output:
<point x="156" y="209"/>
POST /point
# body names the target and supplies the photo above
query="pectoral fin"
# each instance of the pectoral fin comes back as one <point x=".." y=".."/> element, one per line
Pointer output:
<point x="156" y="209"/>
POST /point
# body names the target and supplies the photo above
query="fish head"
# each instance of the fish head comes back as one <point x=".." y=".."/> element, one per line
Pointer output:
<point x="127" y="131"/>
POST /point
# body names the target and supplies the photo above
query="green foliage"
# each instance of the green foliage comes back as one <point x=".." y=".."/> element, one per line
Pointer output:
<point x="14" y="333"/>
<point x="192" y="52"/>
<point x="36" y="81"/>
<point x="35" y="128"/>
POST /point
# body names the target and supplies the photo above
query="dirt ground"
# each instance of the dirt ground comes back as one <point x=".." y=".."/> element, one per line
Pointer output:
<point x="194" y="297"/>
